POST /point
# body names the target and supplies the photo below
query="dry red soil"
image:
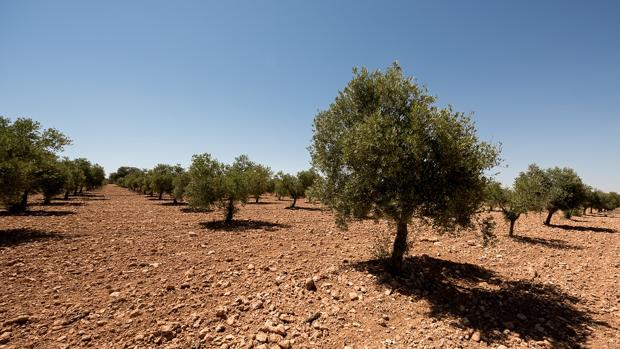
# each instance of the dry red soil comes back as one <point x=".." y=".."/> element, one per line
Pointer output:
<point x="114" y="269"/>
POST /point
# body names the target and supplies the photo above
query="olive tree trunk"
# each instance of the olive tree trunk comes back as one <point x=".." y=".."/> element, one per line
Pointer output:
<point x="400" y="246"/>
<point x="294" y="201"/>
<point x="512" y="227"/>
<point x="230" y="210"/>
<point x="548" y="220"/>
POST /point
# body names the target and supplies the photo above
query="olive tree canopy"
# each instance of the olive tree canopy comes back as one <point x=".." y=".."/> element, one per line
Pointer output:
<point x="385" y="148"/>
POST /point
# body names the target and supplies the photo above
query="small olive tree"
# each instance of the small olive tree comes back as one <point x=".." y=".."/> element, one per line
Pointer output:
<point x="513" y="202"/>
<point x="385" y="148"/>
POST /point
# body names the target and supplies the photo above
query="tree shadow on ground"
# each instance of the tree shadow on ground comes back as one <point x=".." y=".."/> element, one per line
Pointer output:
<point x="243" y="225"/>
<point x="174" y="204"/>
<point x="14" y="237"/>
<point x="190" y="209"/>
<point x="552" y="243"/>
<point x="60" y="203"/>
<point x="36" y="214"/>
<point x="262" y="203"/>
<point x="301" y="208"/>
<point x="479" y="299"/>
<point x="582" y="228"/>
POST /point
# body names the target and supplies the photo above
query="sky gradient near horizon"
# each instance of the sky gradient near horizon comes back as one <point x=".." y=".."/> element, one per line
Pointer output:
<point x="145" y="82"/>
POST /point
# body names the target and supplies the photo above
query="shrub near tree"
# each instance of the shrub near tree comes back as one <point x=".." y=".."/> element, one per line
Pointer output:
<point x="385" y="148"/>
<point x="24" y="148"/>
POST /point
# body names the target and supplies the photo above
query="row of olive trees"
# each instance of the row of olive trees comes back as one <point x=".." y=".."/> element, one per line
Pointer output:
<point x="208" y="182"/>
<point x="549" y="190"/>
<point x="29" y="164"/>
<point x="385" y="149"/>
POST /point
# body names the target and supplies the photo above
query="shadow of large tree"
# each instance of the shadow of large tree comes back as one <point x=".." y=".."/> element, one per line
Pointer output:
<point x="583" y="228"/>
<point x="477" y="298"/>
<point x="243" y="225"/>
<point x="30" y="213"/>
<point x="14" y="237"/>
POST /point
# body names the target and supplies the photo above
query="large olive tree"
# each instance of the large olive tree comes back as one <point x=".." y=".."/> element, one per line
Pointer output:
<point x="385" y="148"/>
<point x="24" y="148"/>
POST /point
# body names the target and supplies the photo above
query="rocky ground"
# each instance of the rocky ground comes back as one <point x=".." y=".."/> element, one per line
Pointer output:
<point x="114" y="269"/>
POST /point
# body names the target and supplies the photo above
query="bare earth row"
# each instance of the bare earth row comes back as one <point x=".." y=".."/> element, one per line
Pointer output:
<point x="118" y="270"/>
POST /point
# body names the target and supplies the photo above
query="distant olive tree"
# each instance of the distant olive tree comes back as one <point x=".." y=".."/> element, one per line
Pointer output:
<point x="162" y="179"/>
<point x="566" y="191"/>
<point x="316" y="190"/>
<point x="213" y="183"/>
<point x="51" y="180"/>
<point x="122" y="172"/>
<point x="296" y="186"/>
<point x="385" y="148"/>
<point x="494" y="194"/>
<point x="180" y="182"/>
<point x="524" y="196"/>
<point x="258" y="177"/>
<point x="278" y="185"/>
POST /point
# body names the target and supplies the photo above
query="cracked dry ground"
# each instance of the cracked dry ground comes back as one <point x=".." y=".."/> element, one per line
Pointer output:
<point x="114" y="269"/>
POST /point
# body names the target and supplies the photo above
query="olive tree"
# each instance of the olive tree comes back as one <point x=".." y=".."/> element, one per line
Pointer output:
<point x="213" y="183"/>
<point x="122" y="172"/>
<point x="384" y="147"/>
<point x="566" y="191"/>
<point x="258" y="177"/>
<point x="180" y="182"/>
<point x="162" y="178"/>
<point x="296" y="186"/>
<point x="494" y="193"/>
<point x="278" y="185"/>
<point x="51" y="180"/>
<point x="524" y="196"/>
<point x="24" y="147"/>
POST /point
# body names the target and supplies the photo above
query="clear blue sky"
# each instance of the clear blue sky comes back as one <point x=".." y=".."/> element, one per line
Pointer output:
<point x="146" y="82"/>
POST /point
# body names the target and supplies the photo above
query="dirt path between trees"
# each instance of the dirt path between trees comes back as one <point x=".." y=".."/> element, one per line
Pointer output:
<point x="114" y="269"/>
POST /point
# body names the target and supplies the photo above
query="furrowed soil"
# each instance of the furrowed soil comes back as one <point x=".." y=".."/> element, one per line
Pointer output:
<point x="114" y="269"/>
